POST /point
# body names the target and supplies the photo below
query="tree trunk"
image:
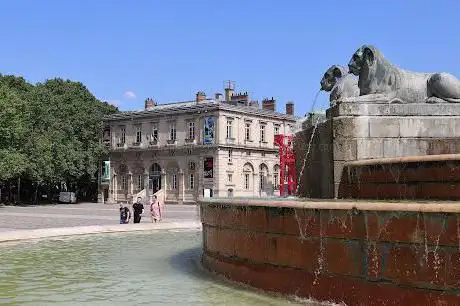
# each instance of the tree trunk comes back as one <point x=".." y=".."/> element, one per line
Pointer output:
<point x="36" y="194"/>
<point x="19" y="190"/>
<point x="9" y="191"/>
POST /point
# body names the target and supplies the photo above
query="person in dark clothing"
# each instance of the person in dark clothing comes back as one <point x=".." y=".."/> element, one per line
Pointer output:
<point x="138" y="209"/>
<point x="125" y="214"/>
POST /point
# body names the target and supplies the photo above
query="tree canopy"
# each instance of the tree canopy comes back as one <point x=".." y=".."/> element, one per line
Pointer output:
<point x="49" y="132"/>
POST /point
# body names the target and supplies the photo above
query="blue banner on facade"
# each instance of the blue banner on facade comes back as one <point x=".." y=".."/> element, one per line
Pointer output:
<point x="209" y="129"/>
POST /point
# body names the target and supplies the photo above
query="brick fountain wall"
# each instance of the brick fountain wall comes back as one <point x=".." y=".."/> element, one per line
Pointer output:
<point x="414" y="177"/>
<point x="359" y="253"/>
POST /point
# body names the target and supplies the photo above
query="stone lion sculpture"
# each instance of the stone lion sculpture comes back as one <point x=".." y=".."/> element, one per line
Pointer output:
<point x="381" y="80"/>
<point x="340" y="83"/>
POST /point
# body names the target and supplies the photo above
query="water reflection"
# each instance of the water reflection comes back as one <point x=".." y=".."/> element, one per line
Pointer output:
<point x="123" y="269"/>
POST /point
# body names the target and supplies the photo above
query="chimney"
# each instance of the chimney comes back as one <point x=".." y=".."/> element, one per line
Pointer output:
<point x="150" y="104"/>
<point x="200" y="96"/>
<point x="290" y="108"/>
<point x="241" y="97"/>
<point x="229" y="89"/>
<point x="218" y="96"/>
<point x="269" y="104"/>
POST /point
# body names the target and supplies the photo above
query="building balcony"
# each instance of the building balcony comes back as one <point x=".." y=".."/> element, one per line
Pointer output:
<point x="153" y="143"/>
<point x="263" y="144"/>
<point x="120" y="145"/>
<point x="136" y="144"/>
<point x="231" y="141"/>
<point x="190" y="141"/>
<point x="172" y="141"/>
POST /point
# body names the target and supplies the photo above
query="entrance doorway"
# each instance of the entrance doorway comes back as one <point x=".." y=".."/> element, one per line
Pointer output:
<point x="155" y="178"/>
<point x="106" y="194"/>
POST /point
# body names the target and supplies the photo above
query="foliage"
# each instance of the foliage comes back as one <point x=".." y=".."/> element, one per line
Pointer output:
<point x="49" y="132"/>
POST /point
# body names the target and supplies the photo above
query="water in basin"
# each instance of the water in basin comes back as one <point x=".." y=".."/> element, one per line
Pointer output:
<point x="154" y="268"/>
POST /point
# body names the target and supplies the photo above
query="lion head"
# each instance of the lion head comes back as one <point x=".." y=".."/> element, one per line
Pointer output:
<point x="363" y="58"/>
<point x="331" y="76"/>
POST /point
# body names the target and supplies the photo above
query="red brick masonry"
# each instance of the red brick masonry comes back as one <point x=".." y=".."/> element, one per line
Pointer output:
<point x="414" y="177"/>
<point x="369" y="253"/>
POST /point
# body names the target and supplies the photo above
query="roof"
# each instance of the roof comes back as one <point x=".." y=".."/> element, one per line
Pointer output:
<point x="193" y="106"/>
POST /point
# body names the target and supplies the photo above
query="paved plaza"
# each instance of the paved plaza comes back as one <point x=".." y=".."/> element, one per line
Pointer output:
<point x="84" y="214"/>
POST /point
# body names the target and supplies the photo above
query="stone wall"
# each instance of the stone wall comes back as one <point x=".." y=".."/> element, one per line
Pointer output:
<point x="361" y="131"/>
<point x="381" y="130"/>
<point x="316" y="180"/>
<point x="356" y="253"/>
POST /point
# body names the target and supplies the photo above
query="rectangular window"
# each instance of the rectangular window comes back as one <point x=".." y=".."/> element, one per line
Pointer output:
<point x="230" y="153"/>
<point x="276" y="130"/>
<point x="174" y="181"/>
<point x="172" y="131"/>
<point x="229" y="129"/>
<point x="140" y="182"/>
<point x="191" y="130"/>
<point x="276" y="182"/>
<point x="154" y="136"/>
<point x="247" y="134"/>
<point x="246" y="181"/>
<point x="262" y="133"/>
<point x="191" y="181"/>
<point x="229" y="178"/>
<point x="124" y="182"/>
<point x="139" y="134"/>
<point x="123" y="135"/>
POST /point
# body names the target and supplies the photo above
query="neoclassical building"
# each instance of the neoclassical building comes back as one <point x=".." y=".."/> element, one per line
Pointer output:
<point x="220" y="147"/>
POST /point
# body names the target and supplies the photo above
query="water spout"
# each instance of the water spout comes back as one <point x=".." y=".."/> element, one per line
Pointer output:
<point x="315" y="126"/>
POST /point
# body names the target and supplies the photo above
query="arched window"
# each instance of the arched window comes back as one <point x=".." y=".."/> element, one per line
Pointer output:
<point x="248" y="172"/>
<point x="263" y="173"/>
<point x="276" y="177"/>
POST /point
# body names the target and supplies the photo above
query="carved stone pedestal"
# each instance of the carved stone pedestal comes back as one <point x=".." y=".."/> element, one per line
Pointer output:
<point x="359" y="131"/>
<point x="380" y="130"/>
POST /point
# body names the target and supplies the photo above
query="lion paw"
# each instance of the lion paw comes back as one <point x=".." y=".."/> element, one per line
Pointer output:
<point x="433" y="100"/>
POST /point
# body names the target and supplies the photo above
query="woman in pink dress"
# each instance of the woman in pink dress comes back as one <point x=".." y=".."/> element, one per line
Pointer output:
<point x="155" y="210"/>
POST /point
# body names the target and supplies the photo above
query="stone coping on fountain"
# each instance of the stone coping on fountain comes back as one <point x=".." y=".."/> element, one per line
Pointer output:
<point x="339" y="204"/>
<point x="403" y="159"/>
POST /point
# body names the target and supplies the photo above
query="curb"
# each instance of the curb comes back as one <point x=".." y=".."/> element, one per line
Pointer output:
<point x="18" y="235"/>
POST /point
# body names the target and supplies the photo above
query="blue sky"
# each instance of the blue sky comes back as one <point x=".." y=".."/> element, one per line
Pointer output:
<point x="125" y="51"/>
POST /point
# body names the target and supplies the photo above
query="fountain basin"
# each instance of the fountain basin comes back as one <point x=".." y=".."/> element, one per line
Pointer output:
<point x="356" y="252"/>
<point x="411" y="177"/>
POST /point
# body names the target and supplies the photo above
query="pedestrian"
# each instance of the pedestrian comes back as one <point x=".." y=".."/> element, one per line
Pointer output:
<point x="125" y="214"/>
<point x="138" y="209"/>
<point x="155" y="210"/>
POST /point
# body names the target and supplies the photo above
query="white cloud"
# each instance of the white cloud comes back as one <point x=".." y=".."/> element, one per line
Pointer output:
<point x="129" y="95"/>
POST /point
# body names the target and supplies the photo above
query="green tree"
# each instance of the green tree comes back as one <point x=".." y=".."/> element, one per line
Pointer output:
<point x="49" y="132"/>
<point x="14" y="128"/>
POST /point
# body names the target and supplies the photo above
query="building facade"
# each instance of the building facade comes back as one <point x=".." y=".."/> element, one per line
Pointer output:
<point x="220" y="147"/>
